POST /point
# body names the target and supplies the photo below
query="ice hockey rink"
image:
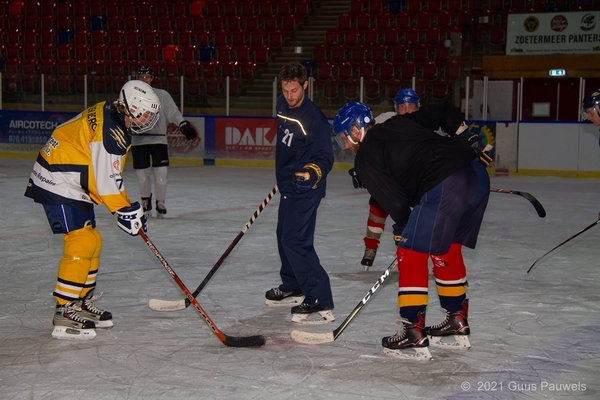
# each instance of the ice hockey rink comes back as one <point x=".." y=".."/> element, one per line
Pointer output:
<point x="533" y="336"/>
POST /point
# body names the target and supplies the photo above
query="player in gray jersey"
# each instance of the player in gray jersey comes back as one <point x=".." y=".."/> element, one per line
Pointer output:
<point x="150" y="150"/>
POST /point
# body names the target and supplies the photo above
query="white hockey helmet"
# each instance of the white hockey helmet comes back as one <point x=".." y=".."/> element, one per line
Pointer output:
<point x="141" y="104"/>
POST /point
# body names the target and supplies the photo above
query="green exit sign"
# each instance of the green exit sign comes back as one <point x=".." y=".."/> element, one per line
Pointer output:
<point x="557" y="72"/>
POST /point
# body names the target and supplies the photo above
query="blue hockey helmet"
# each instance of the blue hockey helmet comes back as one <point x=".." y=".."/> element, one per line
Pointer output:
<point x="406" y="96"/>
<point x="352" y="114"/>
<point x="592" y="100"/>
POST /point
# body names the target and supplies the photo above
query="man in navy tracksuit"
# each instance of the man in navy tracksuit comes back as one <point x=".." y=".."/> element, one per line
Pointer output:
<point x="304" y="157"/>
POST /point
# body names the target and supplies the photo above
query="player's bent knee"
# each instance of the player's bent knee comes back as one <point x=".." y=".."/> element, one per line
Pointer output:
<point x="84" y="243"/>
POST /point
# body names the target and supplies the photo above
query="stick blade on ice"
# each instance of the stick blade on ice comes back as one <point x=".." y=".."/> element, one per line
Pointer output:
<point x="245" y="341"/>
<point x="312" y="337"/>
<point x="166" y="305"/>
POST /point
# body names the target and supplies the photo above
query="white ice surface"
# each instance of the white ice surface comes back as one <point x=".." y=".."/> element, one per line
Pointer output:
<point x="532" y="335"/>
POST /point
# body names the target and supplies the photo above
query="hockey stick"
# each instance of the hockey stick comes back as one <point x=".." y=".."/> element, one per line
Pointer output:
<point x="566" y="241"/>
<point x="534" y="202"/>
<point x="168" y="305"/>
<point x="231" y="341"/>
<point x="328" y="337"/>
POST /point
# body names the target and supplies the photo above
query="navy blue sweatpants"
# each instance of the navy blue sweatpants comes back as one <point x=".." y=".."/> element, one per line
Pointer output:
<point x="300" y="265"/>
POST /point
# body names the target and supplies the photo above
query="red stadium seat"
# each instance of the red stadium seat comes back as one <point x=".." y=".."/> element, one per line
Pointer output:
<point x="387" y="70"/>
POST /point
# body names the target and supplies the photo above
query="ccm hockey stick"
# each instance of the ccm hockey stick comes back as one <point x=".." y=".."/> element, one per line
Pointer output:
<point x="566" y="241"/>
<point x="328" y="337"/>
<point x="231" y="341"/>
<point x="534" y="202"/>
<point x="168" y="305"/>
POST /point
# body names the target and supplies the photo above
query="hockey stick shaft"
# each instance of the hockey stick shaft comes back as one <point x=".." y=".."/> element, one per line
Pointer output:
<point x="317" y="338"/>
<point x="166" y="305"/>
<point x="534" y="202"/>
<point x="248" y="341"/>
<point x="234" y="243"/>
<point x="566" y="241"/>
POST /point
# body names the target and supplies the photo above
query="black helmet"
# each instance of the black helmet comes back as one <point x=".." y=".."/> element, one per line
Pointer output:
<point x="144" y="70"/>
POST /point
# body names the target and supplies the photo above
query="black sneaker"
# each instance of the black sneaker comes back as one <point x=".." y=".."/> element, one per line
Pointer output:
<point x="277" y="294"/>
<point x="306" y="308"/>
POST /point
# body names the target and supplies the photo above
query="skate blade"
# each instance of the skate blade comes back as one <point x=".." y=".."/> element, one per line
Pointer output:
<point x="66" y="333"/>
<point x="103" y="324"/>
<point x="160" y="216"/>
<point x="287" y="302"/>
<point x="461" y="342"/>
<point x="366" y="267"/>
<point x="420" y="353"/>
<point x="324" y="317"/>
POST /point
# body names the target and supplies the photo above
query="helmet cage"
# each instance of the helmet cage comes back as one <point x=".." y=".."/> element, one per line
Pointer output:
<point x="141" y="105"/>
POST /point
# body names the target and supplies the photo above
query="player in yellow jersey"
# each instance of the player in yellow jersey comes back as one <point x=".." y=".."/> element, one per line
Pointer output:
<point x="82" y="165"/>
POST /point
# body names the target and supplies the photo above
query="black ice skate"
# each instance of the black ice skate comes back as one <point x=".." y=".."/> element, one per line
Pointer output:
<point x="102" y="319"/>
<point x="409" y="336"/>
<point x="454" y="325"/>
<point x="278" y="298"/>
<point x="147" y="206"/>
<point x="368" y="258"/>
<point x="161" y="210"/>
<point x="68" y="324"/>
<point x="312" y="314"/>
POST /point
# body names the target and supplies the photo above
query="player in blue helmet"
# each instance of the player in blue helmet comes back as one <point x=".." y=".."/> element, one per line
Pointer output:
<point x="406" y="95"/>
<point x="436" y="190"/>
<point x="406" y="101"/>
<point x="352" y="114"/>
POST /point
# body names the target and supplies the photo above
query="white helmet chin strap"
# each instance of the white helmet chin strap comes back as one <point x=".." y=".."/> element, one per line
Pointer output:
<point x="362" y="136"/>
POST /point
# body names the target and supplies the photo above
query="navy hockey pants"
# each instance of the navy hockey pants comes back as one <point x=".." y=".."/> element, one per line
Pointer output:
<point x="300" y="265"/>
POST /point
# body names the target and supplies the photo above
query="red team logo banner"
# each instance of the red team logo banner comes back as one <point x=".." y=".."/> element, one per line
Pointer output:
<point x="245" y="138"/>
<point x="181" y="147"/>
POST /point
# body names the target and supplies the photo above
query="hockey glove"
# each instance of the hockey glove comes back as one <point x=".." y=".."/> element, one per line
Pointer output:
<point x="307" y="178"/>
<point x="487" y="155"/>
<point x="131" y="219"/>
<point x="355" y="181"/>
<point x="397" y="231"/>
<point x="187" y="130"/>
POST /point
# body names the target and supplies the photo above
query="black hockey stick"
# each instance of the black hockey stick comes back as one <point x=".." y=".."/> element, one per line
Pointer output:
<point x="534" y="202"/>
<point x="566" y="241"/>
<point x="168" y="305"/>
<point x="328" y="337"/>
<point x="231" y="341"/>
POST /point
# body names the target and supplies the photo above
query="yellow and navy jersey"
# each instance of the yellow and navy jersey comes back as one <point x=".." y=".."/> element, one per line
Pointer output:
<point x="82" y="162"/>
